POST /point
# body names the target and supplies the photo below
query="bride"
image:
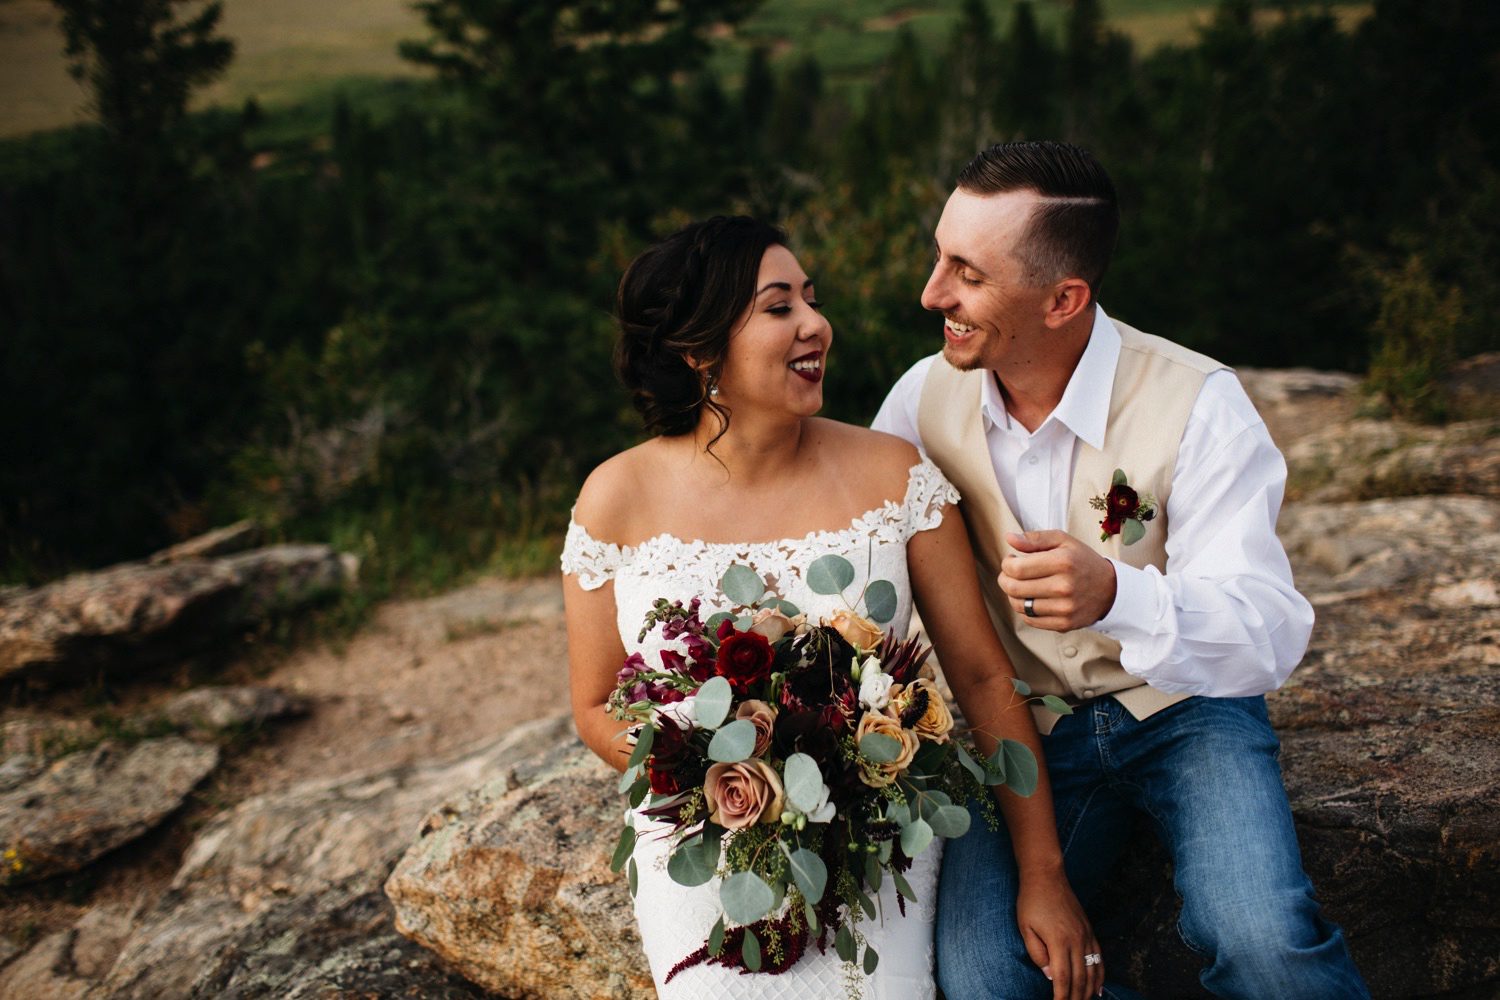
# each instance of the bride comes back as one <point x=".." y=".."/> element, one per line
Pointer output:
<point x="724" y="347"/>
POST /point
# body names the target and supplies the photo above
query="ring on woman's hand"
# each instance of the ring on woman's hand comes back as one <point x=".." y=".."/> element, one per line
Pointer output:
<point x="1093" y="958"/>
<point x="1029" y="606"/>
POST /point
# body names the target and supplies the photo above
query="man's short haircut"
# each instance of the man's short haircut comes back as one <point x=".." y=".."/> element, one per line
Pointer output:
<point x="1072" y="232"/>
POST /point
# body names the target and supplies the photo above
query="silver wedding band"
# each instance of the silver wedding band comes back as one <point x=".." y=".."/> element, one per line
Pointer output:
<point x="1029" y="606"/>
<point x="1093" y="958"/>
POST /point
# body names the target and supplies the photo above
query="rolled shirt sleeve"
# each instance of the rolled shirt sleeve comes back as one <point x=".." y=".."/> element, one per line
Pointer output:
<point x="1224" y="620"/>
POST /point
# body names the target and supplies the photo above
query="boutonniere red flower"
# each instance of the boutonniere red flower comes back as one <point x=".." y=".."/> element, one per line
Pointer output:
<point x="1125" y="511"/>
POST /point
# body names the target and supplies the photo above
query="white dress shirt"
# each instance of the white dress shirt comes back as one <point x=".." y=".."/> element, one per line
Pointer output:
<point x="1224" y="620"/>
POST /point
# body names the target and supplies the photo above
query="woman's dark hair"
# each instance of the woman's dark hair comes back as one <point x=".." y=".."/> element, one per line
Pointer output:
<point x="677" y="306"/>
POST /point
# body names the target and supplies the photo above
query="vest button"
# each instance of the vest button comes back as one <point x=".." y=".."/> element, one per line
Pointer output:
<point x="1070" y="651"/>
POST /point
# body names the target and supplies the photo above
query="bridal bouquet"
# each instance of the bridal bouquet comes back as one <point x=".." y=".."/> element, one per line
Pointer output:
<point x="802" y="763"/>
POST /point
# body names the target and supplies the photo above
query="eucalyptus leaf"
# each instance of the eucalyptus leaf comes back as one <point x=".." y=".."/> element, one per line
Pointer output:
<point x="1022" y="688"/>
<point x="743" y="623"/>
<point x="898" y="812"/>
<point x="643" y="741"/>
<point x="880" y="601"/>
<point x="866" y="903"/>
<point x="883" y="852"/>
<point x="879" y="748"/>
<point x="843" y="943"/>
<point x="733" y="743"/>
<point x="950" y="821"/>
<point x="708" y="847"/>
<point x="716" y="938"/>
<point x="639" y="791"/>
<point x="631" y="775"/>
<point x="1020" y="767"/>
<point x="1118" y="479"/>
<point x="715" y="620"/>
<point x="970" y="764"/>
<point x="996" y="765"/>
<point x="809" y="872"/>
<point x="903" y="886"/>
<point x="687" y="866"/>
<point x="871" y="960"/>
<point x="750" y="951"/>
<point x="1055" y="704"/>
<point x="932" y="802"/>
<point x="787" y="608"/>
<point x="746" y="897"/>
<point x="712" y="702"/>
<point x="915" y="836"/>
<point x="872" y="873"/>
<point x="1132" y="530"/>
<point x="811" y="915"/>
<point x="829" y="574"/>
<point x="633" y="879"/>
<point x="804" y="782"/>
<point x="742" y="585"/>
<point x="623" y="847"/>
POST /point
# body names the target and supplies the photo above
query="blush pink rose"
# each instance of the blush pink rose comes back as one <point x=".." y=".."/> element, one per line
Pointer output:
<point x="740" y="795"/>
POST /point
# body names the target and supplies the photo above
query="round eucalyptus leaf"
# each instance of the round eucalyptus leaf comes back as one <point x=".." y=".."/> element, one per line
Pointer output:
<point x="712" y="702"/>
<point x="1022" y="688"/>
<point x="880" y="601"/>
<point x="950" y="821"/>
<point x="879" y="748"/>
<point x="733" y="743"/>
<point x="711" y="627"/>
<point x="915" y="836"/>
<point x="830" y="574"/>
<point x="1020" y="767"/>
<point x="871" y="960"/>
<point x="804" y="782"/>
<point x="809" y="872"/>
<point x="843" y="943"/>
<point x="1132" y="531"/>
<point x="787" y="608"/>
<point x="746" y="897"/>
<point x="970" y="764"/>
<point x="687" y="865"/>
<point x="1056" y="704"/>
<point x="742" y="585"/>
<point x="1118" y="479"/>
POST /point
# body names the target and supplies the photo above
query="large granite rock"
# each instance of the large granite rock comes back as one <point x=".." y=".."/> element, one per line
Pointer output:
<point x="510" y="883"/>
<point x="310" y="857"/>
<point x="64" y="816"/>
<point x="146" y="611"/>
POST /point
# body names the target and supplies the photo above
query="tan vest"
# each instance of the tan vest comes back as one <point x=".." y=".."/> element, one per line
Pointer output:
<point x="1156" y="384"/>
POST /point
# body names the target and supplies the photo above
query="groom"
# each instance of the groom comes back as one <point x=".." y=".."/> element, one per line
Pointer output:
<point x="1157" y="601"/>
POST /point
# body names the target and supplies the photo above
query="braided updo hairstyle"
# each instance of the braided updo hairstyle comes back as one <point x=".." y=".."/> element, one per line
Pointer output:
<point x="677" y="306"/>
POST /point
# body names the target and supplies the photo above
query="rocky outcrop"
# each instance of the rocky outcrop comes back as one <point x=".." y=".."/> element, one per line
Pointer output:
<point x="144" y="612"/>
<point x="62" y="817"/>
<point x="217" y="708"/>
<point x="510" y="883"/>
<point x="310" y="859"/>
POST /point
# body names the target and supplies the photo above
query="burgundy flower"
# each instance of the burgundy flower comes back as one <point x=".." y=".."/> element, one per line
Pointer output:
<point x="1111" y="525"/>
<point x="674" y="661"/>
<point x="1122" y="501"/>
<point x="745" y="659"/>
<point x="670" y="768"/>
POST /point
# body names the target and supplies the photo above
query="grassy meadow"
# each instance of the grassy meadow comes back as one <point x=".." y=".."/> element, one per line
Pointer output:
<point x="293" y="51"/>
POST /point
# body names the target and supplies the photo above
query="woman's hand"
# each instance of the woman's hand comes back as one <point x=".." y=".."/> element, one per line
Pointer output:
<point x="1058" y="936"/>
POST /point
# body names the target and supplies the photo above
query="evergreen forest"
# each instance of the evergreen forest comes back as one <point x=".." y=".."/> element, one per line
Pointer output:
<point x="384" y="321"/>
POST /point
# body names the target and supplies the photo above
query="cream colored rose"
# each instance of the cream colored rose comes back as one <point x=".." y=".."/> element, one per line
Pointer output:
<point x="741" y="795"/>
<point x="880" y="775"/>
<point x="771" y="623"/>
<point x="935" y="722"/>
<point x="861" y="633"/>
<point x="763" y="718"/>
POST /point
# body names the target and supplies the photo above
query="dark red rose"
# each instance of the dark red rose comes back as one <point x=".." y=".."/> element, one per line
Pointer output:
<point x="1122" y="502"/>
<point x="1111" y="525"/>
<point x="670" y="760"/>
<point x="726" y="629"/>
<point x="745" y="660"/>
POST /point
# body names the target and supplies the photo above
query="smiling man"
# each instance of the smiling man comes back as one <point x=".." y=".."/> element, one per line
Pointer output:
<point x="1121" y="493"/>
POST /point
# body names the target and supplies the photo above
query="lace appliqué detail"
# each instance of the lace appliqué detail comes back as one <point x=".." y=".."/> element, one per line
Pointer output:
<point x="592" y="561"/>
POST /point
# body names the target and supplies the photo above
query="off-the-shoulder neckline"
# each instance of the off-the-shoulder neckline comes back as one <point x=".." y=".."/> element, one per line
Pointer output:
<point x="819" y="536"/>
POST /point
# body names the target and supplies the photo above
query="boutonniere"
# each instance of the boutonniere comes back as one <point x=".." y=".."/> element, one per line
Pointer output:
<point x="1125" y="511"/>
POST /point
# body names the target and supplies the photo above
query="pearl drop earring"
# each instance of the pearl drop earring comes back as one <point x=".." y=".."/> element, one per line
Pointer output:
<point x="713" y="388"/>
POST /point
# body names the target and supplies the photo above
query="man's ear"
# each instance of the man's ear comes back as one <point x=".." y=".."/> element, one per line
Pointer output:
<point x="1069" y="298"/>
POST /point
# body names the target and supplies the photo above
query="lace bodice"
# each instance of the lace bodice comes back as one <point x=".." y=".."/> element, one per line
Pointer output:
<point x="670" y="567"/>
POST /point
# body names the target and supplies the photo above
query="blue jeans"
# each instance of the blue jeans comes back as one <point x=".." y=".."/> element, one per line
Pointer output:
<point x="1205" y="770"/>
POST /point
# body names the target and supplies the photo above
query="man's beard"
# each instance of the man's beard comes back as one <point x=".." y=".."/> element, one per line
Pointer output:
<point x="968" y="363"/>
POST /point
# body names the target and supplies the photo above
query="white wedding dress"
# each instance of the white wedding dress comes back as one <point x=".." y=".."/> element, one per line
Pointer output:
<point x="675" y="920"/>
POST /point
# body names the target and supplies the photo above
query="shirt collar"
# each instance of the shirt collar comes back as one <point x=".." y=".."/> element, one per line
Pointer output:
<point x="1084" y="407"/>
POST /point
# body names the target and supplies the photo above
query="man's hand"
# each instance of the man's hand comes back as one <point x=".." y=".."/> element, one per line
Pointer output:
<point x="1058" y="936"/>
<point x="1072" y="585"/>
